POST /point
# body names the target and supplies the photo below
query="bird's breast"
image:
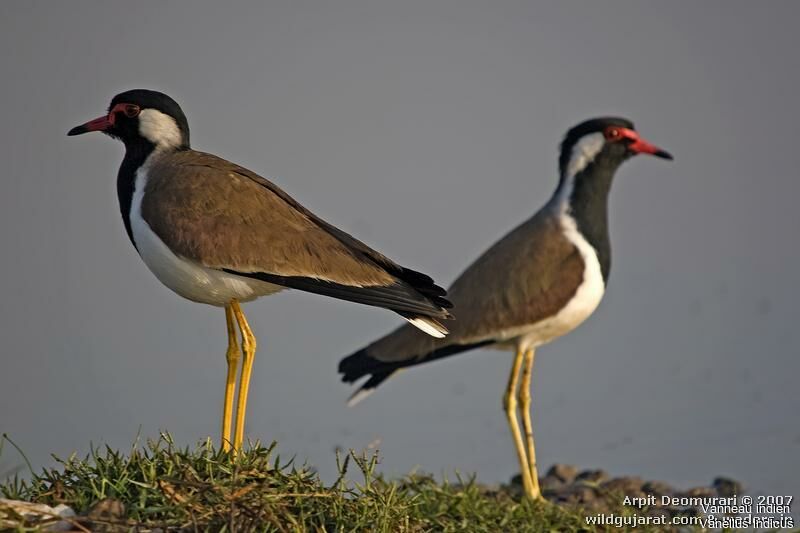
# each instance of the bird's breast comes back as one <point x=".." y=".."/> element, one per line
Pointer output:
<point x="187" y="278"/>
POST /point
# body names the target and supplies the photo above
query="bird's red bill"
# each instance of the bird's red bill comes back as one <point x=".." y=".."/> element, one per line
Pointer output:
<point x="98" y="124"/>
<point x="640" y="146"/>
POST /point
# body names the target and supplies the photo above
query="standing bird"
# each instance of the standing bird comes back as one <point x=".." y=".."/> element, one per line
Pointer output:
<point x="219" y="234"/>
<point x="534" y="285"/>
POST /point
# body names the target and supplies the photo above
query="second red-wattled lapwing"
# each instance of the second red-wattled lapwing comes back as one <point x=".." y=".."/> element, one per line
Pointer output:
<point x="537" y="283"/>
<point x="219" y="234"/>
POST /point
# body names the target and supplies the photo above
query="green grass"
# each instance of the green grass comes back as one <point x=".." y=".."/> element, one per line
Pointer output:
<point x="203" y="489"/>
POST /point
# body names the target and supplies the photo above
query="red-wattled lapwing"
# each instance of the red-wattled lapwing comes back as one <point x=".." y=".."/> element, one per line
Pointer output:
<point x="537" y="283"/>
<point x="219" y="234"/>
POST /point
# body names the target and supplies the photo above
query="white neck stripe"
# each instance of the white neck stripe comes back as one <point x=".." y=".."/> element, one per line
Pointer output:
<point x="583" y="153"/>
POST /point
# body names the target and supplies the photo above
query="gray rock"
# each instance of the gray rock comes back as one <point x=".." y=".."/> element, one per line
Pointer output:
<point x="658" y="488"/>
<point x="628" y="485"/>
<point x="107" y="516"/>
<point x="699" y="492"/>
<point x="551" y="484"/>
<point x="727" y="487"/>
<point x="687" y="511"/>
<point x="582" y="494"/>
<point x="657" y="511"/>
<point x="592" y="476"/>
<point x="562" y="472"/>
<point x="107" y="509"/>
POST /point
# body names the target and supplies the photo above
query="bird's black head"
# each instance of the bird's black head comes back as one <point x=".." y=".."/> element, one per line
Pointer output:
<point x="605" y="142"/>
<point x="141" y="116"/>
<point x="591" y="153"/>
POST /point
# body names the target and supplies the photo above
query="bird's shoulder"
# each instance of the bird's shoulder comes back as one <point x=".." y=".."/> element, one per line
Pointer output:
<point x="185" y="181"/>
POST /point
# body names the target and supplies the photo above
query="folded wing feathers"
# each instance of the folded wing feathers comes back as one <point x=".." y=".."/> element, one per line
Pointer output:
<point x="415" y="292"/>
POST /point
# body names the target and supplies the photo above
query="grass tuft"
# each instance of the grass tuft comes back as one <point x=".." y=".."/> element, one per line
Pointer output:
<point x="160" y="485"/>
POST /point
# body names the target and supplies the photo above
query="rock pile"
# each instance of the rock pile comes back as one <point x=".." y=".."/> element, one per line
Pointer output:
<point x="596" y="491"/>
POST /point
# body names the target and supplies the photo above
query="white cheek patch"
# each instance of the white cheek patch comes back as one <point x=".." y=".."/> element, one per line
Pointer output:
<point x="160" y="129"/>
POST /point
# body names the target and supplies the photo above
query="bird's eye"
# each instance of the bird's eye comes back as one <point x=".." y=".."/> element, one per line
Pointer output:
<point x="612" y="134"/>
<point x="131" y="110"/>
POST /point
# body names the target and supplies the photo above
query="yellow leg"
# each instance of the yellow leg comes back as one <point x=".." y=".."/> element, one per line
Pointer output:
<point x="232" y="356"/>
<point x="525" y="407"/>
<point x="249" y="351"/>
<point x="510" y="406"/>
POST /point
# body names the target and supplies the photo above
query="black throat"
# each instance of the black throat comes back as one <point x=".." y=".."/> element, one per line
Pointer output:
<point x="136" y="153"/>
<point x="588" y="205"/>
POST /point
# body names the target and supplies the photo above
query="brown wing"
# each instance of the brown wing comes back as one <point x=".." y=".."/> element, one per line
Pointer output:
<point x="226" y="217"/>
<point x="525" y="277"/>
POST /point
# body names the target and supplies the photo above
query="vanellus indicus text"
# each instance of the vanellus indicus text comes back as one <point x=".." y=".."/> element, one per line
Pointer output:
<point x="219" y="234"/>
<point x="537" y="283"/>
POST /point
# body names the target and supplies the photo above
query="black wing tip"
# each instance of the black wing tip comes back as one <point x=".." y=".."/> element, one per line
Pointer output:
<point x="444" y="306"/>
<point x="375" y="380"/>
<point x="368" y="388"/>
<point x="355" y="366"/>
<point x="359" y="364"/>
<point x="442" y="302"/>
<point x="425" y="285"/>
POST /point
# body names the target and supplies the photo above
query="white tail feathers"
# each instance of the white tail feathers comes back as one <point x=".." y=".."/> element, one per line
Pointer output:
<point x="429" y="326"/>
<point x="358" y="395"/>
<point x="369" y="387"/>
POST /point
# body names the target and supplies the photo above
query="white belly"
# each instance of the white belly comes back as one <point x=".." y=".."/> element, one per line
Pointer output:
<point x="188" y="278"/>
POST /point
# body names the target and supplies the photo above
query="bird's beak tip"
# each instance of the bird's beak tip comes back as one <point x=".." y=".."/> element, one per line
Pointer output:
<point x="77" y="130"/>
<point x="99" y="124"/>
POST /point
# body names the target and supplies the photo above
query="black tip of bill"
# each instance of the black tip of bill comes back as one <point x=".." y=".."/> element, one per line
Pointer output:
<point x="664" y="155"/>
<point x="77" y="130"/>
